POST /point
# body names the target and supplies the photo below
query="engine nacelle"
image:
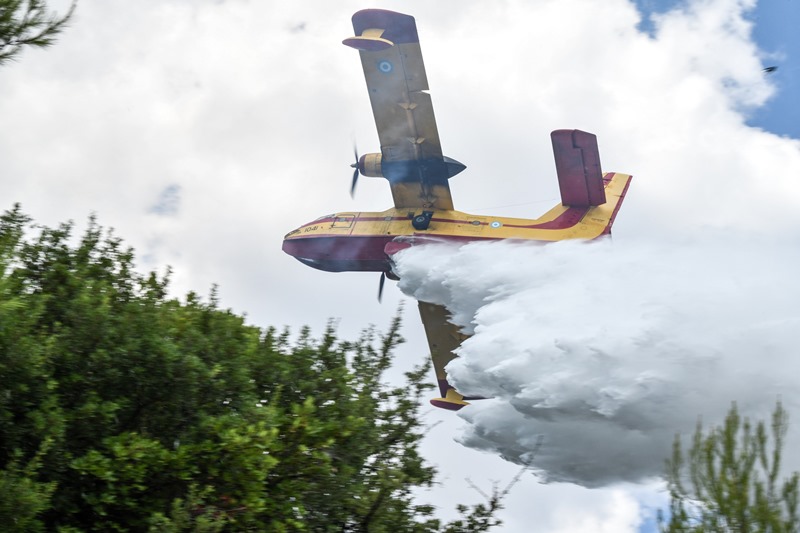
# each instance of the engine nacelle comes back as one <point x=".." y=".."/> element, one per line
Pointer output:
<point x="439" y="168"/>
<point x="370" y="165"/>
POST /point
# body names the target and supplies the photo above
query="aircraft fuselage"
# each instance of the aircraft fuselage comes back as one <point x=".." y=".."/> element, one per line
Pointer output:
<point x="357" y="241"/>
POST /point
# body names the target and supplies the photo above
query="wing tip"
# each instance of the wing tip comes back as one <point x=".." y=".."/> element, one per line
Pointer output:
<point x="398" y="27"/>
<point x="453" y="401"/>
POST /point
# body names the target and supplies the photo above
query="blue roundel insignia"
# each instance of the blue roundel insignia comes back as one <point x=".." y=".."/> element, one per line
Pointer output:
<point x="496" y="224"/>
<point x="385" y="66"/>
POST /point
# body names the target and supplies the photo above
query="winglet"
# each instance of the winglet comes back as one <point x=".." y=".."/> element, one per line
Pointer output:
<point x="578" y="166"/>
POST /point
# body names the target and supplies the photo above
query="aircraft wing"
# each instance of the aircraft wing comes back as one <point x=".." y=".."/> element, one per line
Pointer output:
<point x="411" y="153"/>
<point x="443" y="339"/>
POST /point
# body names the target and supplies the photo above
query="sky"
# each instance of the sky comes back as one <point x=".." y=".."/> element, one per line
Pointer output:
<point x="204" y="131"/>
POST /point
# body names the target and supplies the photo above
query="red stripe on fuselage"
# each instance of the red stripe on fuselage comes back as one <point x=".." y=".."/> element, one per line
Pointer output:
<point x="567" y="219"/>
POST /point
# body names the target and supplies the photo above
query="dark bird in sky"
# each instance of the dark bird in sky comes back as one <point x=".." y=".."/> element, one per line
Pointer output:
<point x="770" y="70"/>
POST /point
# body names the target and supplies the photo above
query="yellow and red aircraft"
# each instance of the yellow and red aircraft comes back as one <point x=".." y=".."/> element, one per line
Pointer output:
<point x="411" y="160"/>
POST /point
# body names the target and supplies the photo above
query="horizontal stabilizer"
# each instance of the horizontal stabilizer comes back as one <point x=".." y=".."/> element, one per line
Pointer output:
<point x="578" y="166"/>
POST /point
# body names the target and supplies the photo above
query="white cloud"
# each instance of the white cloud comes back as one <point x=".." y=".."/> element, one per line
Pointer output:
<point x="619" y="513"/>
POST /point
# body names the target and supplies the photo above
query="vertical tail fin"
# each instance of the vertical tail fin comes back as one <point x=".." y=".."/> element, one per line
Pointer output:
<point x="578" y="166"/>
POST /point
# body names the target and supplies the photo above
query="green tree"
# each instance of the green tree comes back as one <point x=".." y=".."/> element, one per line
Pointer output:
<point x="28" y="23"/>
<point x="123" y="409"/>
<point x="733" y="472"/>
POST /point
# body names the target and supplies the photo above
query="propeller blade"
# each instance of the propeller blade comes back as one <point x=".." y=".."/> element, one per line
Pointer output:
<point x="380" y="286"/>
<point x="353" y="184"/>
<point x="355" y="172"/>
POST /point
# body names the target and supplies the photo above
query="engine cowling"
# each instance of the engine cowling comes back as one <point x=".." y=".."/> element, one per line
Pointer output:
<point x="370" y="165"/>
<point x="441" y="168"/>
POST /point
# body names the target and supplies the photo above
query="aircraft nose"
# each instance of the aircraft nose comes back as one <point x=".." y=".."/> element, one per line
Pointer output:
<point x="292" y="245"/>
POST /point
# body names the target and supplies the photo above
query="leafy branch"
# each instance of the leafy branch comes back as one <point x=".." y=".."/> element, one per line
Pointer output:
<point x="28" y="23"/>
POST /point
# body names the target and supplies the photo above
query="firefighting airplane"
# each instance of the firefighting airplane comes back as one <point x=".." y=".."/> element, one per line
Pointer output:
<point x="411" y="160"/>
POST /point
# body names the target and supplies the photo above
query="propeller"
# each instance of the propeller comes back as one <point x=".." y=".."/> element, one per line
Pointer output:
<point x="355" y="172"/>
<point x="380" y="286"/>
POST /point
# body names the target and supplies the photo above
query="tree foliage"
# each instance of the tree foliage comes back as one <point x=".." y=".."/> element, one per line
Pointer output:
<point x="734" y="480"/>
<point x="123" y="409"/>
<point x="28" y="23"/>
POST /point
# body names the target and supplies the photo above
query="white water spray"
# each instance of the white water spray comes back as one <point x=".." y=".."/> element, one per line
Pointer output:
<point x="604" y="351"/>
